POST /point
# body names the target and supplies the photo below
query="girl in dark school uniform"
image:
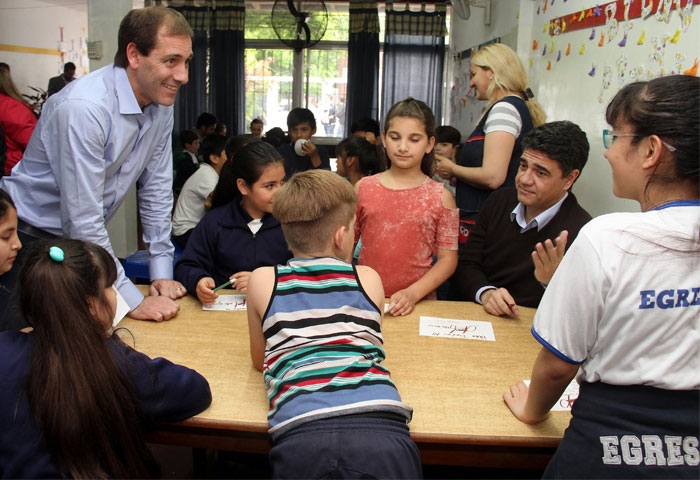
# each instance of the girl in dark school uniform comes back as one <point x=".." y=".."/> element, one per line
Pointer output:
<point x="238" y="234"/>
<point x="74" y="399"/>
<point x="9" y="246"/>
<point x="624" y="304"/>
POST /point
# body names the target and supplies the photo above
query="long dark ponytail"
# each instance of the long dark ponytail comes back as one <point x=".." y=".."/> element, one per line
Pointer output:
<point x="79" y="395"/>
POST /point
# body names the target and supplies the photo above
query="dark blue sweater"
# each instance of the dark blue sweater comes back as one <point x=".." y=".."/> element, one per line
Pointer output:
<point x="222" y="244"/>
<point x="165" y="393"/>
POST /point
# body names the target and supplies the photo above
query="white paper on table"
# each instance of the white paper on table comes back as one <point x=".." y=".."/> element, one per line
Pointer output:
<point x="567" y="398"/>
<point x="451" y="328"/>
<point x="228" y="302"/>
<point x="122" y="309"/>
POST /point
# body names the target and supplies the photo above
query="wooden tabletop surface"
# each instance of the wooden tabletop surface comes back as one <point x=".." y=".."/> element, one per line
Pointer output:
<point x="454" y="385"/>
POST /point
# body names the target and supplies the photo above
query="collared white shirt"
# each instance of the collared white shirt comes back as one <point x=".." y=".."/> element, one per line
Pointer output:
<point x="539" y="222"/>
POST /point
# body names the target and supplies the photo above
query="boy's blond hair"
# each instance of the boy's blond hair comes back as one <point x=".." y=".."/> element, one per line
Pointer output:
<point x="310" y="206"/>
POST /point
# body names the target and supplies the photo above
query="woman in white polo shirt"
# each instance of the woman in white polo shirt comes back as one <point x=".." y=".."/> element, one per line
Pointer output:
<point x="624" y="305"/>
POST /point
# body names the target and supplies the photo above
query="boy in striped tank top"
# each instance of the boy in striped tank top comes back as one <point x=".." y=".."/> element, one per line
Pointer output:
<point x="315" y="332"/>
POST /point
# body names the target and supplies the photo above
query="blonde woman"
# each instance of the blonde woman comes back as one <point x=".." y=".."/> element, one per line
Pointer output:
<point x="490" y="156"/>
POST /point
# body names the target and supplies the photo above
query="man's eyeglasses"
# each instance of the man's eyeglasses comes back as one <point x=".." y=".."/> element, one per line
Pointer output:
<point x="609" y="138"/>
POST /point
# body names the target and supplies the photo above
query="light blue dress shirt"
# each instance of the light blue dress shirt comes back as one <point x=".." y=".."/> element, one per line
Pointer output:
<point x="92" y="144"/>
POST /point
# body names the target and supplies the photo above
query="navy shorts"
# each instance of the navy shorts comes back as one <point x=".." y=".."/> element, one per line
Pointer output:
<point x="354" y="446"/>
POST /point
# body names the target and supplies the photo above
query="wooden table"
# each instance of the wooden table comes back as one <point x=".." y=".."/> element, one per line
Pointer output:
<point x="454" y="385"/>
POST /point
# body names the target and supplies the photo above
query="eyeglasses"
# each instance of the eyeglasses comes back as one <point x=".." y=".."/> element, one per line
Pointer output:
<point x="609" y="138"/>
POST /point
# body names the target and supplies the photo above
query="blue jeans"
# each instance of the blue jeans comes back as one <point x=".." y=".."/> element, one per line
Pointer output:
<point x="352" y="446"/>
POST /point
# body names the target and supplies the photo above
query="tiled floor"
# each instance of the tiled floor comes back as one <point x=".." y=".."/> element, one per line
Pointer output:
<point x="177" y="463"/>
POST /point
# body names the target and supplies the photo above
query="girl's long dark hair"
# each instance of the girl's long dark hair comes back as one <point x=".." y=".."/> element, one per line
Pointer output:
<point x="5" y="204"/>
<point x="248" y="164"/>
<point x="80" y="397"/>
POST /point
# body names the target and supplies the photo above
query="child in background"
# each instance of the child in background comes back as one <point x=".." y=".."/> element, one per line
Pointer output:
<point x="315" y="332"/>
<point x="226" y="189"/>
<point x="221" y="129"/>
<point x="404" y="216"/>
<point x="186" y="161"/>
<point x="367" y="128"/>
<point x="240" y="234"/>
<point x="76" y="399"/>
<point x="448" y="142"/>
<point x="191" y="203"/>
<point x="358" y="158"/>
<point x="9" y="246"/>
<point x="256" y="127"/>
<point x="301" y="124"/>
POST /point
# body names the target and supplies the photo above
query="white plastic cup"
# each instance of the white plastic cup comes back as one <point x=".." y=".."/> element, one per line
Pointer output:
<point x="298" y="147"/>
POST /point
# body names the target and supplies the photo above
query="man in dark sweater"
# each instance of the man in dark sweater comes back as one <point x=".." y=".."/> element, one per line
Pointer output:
<point x="522" y="233"/>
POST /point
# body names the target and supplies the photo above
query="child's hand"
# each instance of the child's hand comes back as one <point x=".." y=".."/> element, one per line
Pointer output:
<point x="205" y="292"/>
<point x="516" y="399"/>
<point x="312" y="152"/>
<point x="402" y="302"/>
<point x="241" y="281"/>
<point x="309" y="148"/>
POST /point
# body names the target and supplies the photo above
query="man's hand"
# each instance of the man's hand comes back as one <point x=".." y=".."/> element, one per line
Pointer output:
<point x="547" y="257"/>
<point x="499" y="302"/>
<point x="169" y="288"/>
<point x="156" y="308"/>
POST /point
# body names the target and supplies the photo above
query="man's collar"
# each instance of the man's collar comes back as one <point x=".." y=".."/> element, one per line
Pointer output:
<point x="540" y="221"/>
<point x="128" y="105"/>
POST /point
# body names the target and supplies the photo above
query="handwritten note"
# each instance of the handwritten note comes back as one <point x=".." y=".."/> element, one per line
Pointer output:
<point x="567" y="398"/>
<point x="447" y="327"/>
<point x="228" y="302"/>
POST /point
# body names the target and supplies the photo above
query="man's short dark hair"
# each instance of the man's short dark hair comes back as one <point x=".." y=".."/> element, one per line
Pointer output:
<point x="141" y="26"/>
<point x="300" y="115"/>
<point x="68" y="67"/>
<point x="562" y="141"/>
<point x="448" y="134"/>
<point x="366" y="124"/>
<point x="206" y="119"/>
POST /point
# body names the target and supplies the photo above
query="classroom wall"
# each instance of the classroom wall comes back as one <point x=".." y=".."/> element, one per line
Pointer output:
<point x="30" y="40"/>
<point x="575" y="73"/>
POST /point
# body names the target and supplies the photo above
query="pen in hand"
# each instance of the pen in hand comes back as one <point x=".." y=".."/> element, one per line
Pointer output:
<point x="224" y="285"/>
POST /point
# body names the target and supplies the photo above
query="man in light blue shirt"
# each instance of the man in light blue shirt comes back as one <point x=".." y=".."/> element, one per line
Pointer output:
<point x="100" y="136"/>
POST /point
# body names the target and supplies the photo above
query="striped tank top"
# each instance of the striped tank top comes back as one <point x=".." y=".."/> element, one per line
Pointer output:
<point x="324" y="347"/>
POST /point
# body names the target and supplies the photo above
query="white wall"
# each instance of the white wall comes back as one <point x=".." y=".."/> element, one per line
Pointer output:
<point x="569" y="89"/>
<point x="34" y="23"/>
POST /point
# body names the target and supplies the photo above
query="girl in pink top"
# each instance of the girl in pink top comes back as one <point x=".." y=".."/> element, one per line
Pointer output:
<point x="405" y="218"/>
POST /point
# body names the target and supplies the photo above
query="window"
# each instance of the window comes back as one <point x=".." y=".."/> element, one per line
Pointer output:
<point x="278" y="79"/>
